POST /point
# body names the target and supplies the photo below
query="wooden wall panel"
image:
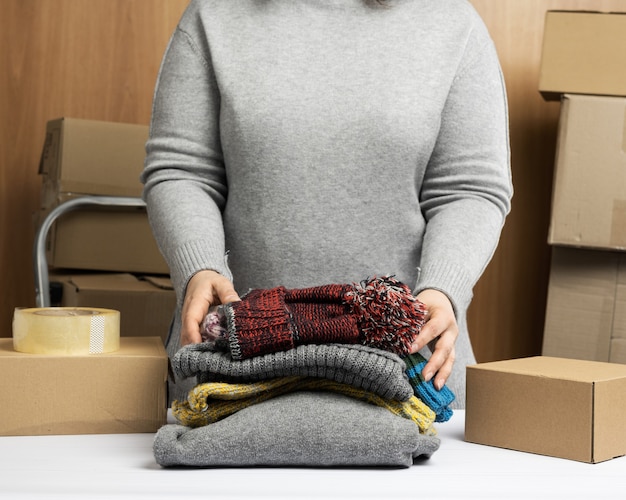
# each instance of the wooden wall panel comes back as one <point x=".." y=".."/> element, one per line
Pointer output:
<point x="98" y="59"/>
<point x="95" y="59"/>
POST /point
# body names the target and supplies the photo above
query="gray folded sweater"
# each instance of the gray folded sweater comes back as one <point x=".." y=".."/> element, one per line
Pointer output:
<point x="302" y="429"/>
<point x="374" y="370"/>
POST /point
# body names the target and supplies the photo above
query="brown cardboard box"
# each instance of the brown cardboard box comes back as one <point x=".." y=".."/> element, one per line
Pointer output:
<point x="589" y="192"/>
<point x="93" y="157"/>
<point x="146" y="303"/>
<point x="88" y="157"/>
<point x="103" y="240"/>
<point x="583" y="53"/>
<point x="586" y="306"/>
<point x="564" y="408"/>
<point x="115" y="393"/>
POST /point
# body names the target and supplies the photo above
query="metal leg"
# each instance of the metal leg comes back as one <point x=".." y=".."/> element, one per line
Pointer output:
<point x="42" y="282"/>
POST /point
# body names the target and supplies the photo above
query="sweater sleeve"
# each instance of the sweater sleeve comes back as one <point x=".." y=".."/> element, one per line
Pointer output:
<point x="467" y="187"/>
<point x="184" y="178"/>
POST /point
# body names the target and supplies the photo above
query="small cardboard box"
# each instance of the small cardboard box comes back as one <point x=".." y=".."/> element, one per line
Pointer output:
<point x="564" y="408"/>
<point x="103" y="240"/>
<point x="115" y="393"/>
<point x="146" y="303"/>
<point x="93" y="157"/>
<point x="586" y="306"/>
<point x="583" y="53"/>
<point x="589" y="191"/>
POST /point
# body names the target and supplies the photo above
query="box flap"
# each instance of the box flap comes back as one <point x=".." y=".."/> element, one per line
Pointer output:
<point x="162" y="282"/>
<point x="111" y="281"/>
<point x="141" y="347"/>
<point x="151" y="347"/>
<point x="125" y="282"/>
<point x="583" y="11"/>
<point x="105" y="282"/>
<point x="558" y="368"/>
<point x="50" y="152"/>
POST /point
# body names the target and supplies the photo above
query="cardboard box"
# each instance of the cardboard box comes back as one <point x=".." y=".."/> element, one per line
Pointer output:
<point x="589" y="191"/>
<point x="586" y="305"/>
<point x="115" y="393"/>
<point x="88" y="157"/>
<point x="146" y="303"/>
<point x="583" y="53"/>
<point x="564" y="408"/>
<point x="103" y="240"/>
<point x="93" y="157"/>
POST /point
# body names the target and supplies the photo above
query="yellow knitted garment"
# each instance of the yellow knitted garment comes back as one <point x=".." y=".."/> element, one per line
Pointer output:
<point x="212" y="401"/>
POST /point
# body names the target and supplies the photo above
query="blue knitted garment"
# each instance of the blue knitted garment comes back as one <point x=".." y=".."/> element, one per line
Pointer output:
<point x="438" y="401"/>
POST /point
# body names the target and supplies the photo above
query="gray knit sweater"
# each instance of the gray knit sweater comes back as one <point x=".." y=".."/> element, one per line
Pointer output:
<point x="326" y="141"/>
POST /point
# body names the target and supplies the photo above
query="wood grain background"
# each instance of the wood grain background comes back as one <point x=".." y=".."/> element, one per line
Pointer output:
<point x="98" y="59"/>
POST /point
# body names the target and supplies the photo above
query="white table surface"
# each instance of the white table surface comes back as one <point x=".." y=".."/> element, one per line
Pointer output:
<point x="122" y="466"/>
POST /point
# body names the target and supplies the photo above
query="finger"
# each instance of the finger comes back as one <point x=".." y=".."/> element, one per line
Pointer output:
<point x="444" y="372"/>
<point x="190" y="333"/>
<point x="428" y="333"/>
<point x="226" y="293"/>
<point x="193" y="313"/>
<point x="441" y="360"/>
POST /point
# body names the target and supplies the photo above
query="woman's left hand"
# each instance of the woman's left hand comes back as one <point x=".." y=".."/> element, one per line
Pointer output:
<point x="442" y="330"/>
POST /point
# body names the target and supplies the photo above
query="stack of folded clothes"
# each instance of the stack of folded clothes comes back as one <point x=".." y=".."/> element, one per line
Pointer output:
<point x="320" y="376"/>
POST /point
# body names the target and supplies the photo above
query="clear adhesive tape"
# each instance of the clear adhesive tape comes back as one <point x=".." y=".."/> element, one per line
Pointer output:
<point x="66" y="330"/>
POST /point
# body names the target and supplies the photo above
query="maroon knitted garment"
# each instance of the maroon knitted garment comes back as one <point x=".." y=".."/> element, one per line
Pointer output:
<point x="380" y="312"/>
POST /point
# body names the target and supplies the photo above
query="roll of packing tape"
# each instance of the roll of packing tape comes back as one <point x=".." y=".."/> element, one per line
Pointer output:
<point x="66" y="330"/>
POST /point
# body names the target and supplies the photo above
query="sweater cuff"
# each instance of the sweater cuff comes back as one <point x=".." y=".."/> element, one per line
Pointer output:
<point x="196" y="256"/>
<point x="450" y="279"/>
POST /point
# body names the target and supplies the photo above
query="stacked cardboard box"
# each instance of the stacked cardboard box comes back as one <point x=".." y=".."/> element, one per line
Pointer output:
<point x="100" y="258"/>
<point x="573" y="408"/>
<point x="103" y="257"/>
<point x="584" y="65"/>
<point x="87" y="157"/>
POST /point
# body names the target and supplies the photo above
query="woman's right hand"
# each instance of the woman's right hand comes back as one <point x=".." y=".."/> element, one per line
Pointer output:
<point x="205" y="289"/>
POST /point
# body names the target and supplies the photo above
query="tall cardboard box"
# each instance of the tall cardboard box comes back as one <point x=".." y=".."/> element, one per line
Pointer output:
<point x="88" y="157"/>
<point x="583" y="53"/>
<point x="146" y="303"/>
<point x="586" y="306"/>
<point x="564" y="408"/>
<point x="115" y="393"/>
<point x="589" y="191"/>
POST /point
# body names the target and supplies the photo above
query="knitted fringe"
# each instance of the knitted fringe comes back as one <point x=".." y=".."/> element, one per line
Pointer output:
<point x="390" y="316"/>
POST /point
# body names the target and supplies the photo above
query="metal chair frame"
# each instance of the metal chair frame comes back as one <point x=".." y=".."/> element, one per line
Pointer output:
<point x="40" y="263"/>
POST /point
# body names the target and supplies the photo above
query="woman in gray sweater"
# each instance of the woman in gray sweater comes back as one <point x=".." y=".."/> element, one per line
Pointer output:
<point x="307" y="142"/>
